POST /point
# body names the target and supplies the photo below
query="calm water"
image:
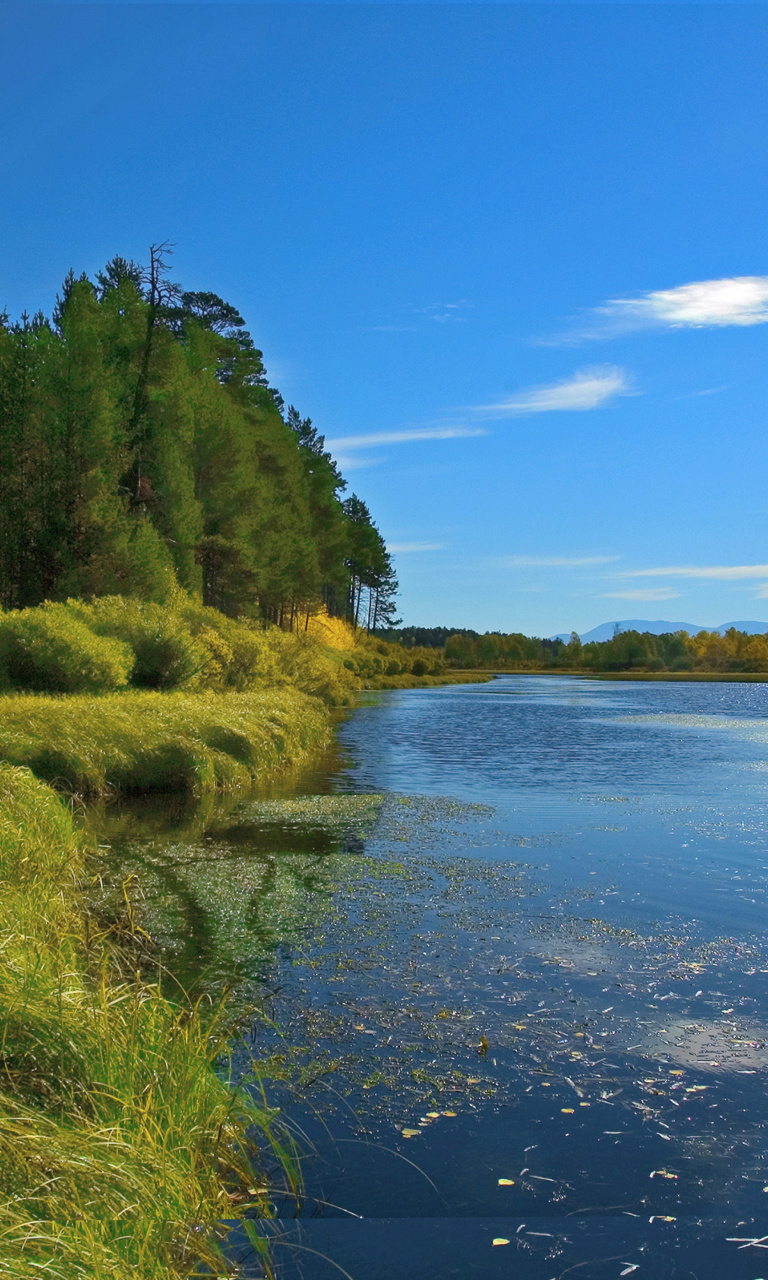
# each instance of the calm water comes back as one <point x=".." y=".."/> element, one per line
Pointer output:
<point x="524" y="999"/>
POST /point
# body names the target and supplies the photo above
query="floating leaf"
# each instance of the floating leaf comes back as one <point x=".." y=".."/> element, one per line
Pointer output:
<point x="432" y="1115"/>
<point x="483" y="1045"/>
<point x="410" y="1133"/>
<point x="506" y="1182"/>
<point x="629" y="1268"/>
<point x="500" y="1240"/>
<point x="450" y="1114"/>
<point x="567" y="1111"/>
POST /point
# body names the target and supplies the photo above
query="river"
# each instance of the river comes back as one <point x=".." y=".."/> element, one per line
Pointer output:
<point x="510" y="945"/>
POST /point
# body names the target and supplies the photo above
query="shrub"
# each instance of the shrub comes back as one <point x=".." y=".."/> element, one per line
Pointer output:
<point x="50" y="650"/>
<point x="167" y="655"/>
<point x="236" y="653"/>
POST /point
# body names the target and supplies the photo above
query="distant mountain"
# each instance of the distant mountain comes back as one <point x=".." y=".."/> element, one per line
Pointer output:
<point x="658" y="628"/>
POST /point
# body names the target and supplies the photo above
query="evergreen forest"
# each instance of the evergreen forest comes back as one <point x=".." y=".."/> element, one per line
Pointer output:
<point x="143" y="450"/>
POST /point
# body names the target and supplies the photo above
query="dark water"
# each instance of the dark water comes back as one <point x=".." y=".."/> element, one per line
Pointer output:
<point x="525" y="999"/>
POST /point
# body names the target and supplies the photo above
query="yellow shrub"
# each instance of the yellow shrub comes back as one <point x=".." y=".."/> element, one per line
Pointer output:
<point x="335" y="633"/>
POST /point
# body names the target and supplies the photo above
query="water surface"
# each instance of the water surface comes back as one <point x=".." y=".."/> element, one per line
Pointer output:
<point x="522" y="997"/>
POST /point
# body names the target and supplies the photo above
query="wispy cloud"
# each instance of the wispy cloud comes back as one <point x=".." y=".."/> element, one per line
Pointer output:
<point x="375" y="438"/>
<point x="405" y="548"/>
<point x="440" y="312"/>
<point x="393" y="328"/>
<point x="356" y="461"/>
<point x="555" y="562"/>
<point x="587" y="389"/>
<point x="443" y="312"/>
<point x="733" y="300"/>
<point x="708" y="391"/>
<point x="712" y="572"/>
<point x="643" y="593"/>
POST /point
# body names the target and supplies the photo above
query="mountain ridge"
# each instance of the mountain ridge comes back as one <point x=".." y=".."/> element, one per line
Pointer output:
<point x="659" y="627"/>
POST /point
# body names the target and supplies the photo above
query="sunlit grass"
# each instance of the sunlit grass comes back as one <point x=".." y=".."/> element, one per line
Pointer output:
<point x="197" y="742"/>
<point x="121" y="1149"/>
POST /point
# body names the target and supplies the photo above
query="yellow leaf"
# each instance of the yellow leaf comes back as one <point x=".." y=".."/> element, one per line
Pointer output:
<point x="449" y="1113"/>
<point x="500" y="1240"/>
<point x="567" y="1111"/>
<point x="506" y="1182"/>
<point x="432" y="1115"/>
<point x="410" y="1133"/>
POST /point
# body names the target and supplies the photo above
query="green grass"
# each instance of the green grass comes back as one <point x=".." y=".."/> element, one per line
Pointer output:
<point x="197" y="742"/>
<point x="121" y="1150"/>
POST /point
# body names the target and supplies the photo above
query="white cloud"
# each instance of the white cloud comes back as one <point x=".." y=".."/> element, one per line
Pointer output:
<point x="643" y="593"/>
<point x="404" y="548"/>
<point x="375" y="438"/>
<point x="555" y="562"/>
<point x="733" y="300"/>
<point x="741" y="300"/>
<point x="712" y="572"/>
<point x="587" y="389"/>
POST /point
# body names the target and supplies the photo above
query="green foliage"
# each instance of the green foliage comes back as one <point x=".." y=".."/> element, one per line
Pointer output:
<point x="50" y="650"/>
<point x="142" y="449"/>
<point x="160" y="741"/>
<point x="120" y="1148"/>
<point x="166" y="654"/>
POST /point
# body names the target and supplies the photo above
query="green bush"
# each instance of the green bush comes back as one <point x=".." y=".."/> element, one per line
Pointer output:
<point x="236" y="653"/>
<point x="50" y="650"/>
<point x="167" y="655"/>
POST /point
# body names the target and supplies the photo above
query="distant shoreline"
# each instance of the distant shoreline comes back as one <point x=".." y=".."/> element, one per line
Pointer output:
<point x="729" y="677"/>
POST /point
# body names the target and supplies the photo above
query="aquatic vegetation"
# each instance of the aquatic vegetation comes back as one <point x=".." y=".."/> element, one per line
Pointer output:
<point x="121" y="1148"/>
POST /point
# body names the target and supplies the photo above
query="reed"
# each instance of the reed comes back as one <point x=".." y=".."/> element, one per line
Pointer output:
<point x="121" y="1148"/>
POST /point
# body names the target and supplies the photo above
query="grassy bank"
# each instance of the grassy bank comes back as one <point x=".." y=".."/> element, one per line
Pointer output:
<point x="160" y="741"/>
<point x="120" y="1149"/>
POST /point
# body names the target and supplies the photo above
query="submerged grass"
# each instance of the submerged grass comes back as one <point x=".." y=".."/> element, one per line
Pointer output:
<point x="121" y="1150"/>
<point x="196" y="742"/>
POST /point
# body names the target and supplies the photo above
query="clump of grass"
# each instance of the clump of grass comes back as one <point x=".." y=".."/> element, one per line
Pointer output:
<point x="197" y="742"/>
<point x="121" y="1150"/>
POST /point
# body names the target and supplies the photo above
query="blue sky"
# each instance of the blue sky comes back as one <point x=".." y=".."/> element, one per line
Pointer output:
<point x="511" y="259"/>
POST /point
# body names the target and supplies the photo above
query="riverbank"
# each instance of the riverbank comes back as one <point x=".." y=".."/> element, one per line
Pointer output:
<point x="121" y="1150"/>
<point x="129" y="742"/>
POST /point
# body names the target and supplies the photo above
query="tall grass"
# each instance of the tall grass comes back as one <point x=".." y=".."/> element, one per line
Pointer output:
<point x="197" y="742"/>
<point x="121" y="1150"/>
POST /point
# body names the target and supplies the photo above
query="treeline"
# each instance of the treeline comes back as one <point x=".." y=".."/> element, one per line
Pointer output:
<point x="142" y="449"/>
<point x="626" y="651"/>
